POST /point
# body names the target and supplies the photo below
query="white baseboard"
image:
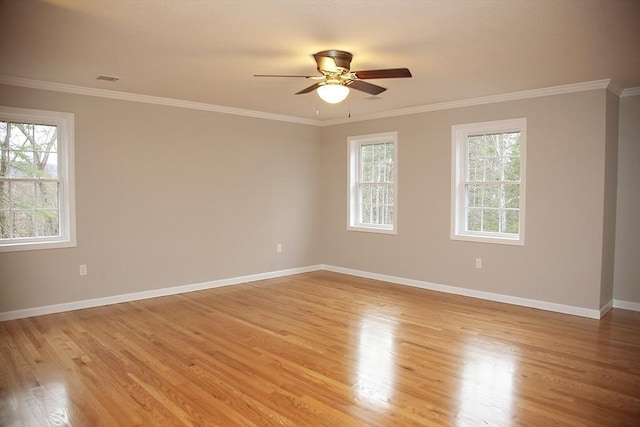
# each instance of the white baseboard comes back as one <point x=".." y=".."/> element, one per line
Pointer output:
<point x="626" y="305"/>
<point x="116" y="299"/>
<point x="525" y="302"/>
<point x="605" y="309"/>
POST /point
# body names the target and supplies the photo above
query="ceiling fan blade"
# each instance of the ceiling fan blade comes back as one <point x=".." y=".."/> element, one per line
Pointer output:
<point x="369" y="88"/>
<point x="310" y="88"/>
<point x="391" y="73"/>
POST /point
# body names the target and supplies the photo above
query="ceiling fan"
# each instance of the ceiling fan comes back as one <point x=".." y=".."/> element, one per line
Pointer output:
<point x="337" y="78"/>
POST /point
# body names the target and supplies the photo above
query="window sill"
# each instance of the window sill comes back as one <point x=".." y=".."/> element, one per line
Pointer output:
<point x="371" y="229"/>
<point x="515" y="241"/>
<point x="35" y="246"/>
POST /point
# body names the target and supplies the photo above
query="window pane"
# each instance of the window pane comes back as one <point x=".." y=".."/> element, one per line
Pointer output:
<point x="511" y="195"/>
<point x="474" y="195"/>
<point x="45" y="137"/>
<point x="380" y="152"/>
<point x="389" y="216"/>
<point x="512" y="220"/>
<point x="47" y="164"/>
<point x="375" y="194"/>
<point x="512" y="169"/>
<point x="5" y="204"/>
<point x="5" y="217"/>
<point x="389" y="151"/>
<point x="493" y="169"/>
<point x="475" y="170"/>
<point x="23" y="224"/>
<point x="47" y="195"/>
<point x="23" y="195"/>
<point x="21" y="164"/>
<point x="389" y="194"/>
<point x="4" y="195"/>
<point x="475" y="146"/>
<point x="474" y="219"/>
<point x="46" y="223"/>
<point x="366" y="158"/>
<point x="377" y="171"/>
<point x="492" y="145"/>
<point x="365" y="194"/>
<point x="377" y="213"/>
<point x="388" y="171"/>
<point x="511" y="143"/>
<point x="490" y="220"/>
<point x="18" y="136"/>
<point x="365" y="214"/>
<point x="491" y="196"/>
<point x="367" y="173"/>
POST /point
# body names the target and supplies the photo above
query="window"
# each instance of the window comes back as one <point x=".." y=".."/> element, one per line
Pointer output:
<point x="37" y="208"/>
<point x="373" y="183"/>
<point x="488" y="181"/>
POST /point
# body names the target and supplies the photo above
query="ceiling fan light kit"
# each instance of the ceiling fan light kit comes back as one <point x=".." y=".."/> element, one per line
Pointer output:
<point x="337" y="77"/>
<point x="333" y="93"/>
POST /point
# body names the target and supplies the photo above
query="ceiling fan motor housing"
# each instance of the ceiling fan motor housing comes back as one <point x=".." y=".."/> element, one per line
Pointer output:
<point x="333" y="61"/>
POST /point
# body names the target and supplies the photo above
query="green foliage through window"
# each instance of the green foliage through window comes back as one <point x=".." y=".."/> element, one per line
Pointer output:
<point x="492" y="183"/>
<point x="376" y="184"/>
<point x="29" y="181"/>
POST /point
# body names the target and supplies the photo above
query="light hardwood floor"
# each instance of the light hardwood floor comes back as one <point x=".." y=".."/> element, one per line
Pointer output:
<point x="319" y="349"/>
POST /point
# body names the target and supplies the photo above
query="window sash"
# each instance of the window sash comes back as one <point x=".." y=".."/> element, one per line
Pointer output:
<point x="40" y="212"/>
<point x="375" y="184"/>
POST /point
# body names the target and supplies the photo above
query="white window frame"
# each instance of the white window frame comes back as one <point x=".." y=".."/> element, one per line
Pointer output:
<point x="459" y="135"/>
<point x="65" y="129"/>
<point x="354" y="165"/>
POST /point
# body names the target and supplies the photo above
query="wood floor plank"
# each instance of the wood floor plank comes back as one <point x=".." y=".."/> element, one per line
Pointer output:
<point x="319" y="349"/>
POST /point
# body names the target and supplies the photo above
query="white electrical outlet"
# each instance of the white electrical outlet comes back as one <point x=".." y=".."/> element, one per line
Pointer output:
<point x="279" y="247"/>
<point x="83" y="269"/>
<point x="478" y="262"/>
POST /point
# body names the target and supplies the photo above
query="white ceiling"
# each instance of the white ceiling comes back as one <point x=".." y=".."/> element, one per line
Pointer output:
<point x="208" y="51"/>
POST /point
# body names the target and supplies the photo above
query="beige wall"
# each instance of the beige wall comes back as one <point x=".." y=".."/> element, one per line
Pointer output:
<point x="627" y="256"/>
<point x="169" y="196"/>
<point x="609" y="197"/>
<point x="561" y="261"/>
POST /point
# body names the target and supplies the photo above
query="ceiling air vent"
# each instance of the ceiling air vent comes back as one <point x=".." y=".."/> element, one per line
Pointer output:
<point x="108" y="78"/>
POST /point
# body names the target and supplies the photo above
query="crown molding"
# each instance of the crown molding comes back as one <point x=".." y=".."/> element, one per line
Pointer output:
<point x="134" y="97"/>
<point x="614" y="88"/>
<point x="491" y="99"/>
<point x="632" y="91"/>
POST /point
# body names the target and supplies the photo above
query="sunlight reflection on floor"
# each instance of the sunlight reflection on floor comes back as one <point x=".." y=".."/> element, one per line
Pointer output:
<point x="49" y="402"/>
<point x="486" y="389"/>
<point x="375" y="373"/>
